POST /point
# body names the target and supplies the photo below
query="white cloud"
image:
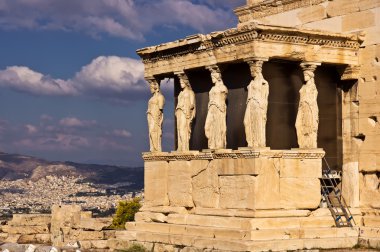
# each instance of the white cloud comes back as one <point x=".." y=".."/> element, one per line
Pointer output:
<point x="75" y="122"/>
<point x="121" y="133"/>
<point x="106" y="77"/>
<point x="66" y="135"/>
<point x="24" y="79"/>
<point x="129" y="19"/>
<point x="60" y="141"/>
<point x="111" y="74"/>
<point x="31" y="129"/>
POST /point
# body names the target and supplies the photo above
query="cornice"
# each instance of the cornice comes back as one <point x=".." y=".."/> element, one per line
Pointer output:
<point x="247" y="33"/>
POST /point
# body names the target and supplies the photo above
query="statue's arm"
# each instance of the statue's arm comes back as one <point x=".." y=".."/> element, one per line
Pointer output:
<point x="161" y="102"/>
<point x="193" y="107"/>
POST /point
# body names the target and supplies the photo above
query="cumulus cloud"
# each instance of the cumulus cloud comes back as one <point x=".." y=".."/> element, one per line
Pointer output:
<point x="111" y="77"/>
<point x="24" y="79"/>
<point x="129" y="19"/>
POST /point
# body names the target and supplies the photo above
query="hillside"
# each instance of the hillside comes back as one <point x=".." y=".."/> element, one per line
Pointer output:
<point x="33" y="185"/>
<point x="15" y="166"/>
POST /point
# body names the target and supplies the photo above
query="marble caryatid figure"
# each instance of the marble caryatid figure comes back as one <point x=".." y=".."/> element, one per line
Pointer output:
<point x="255" y="117"/>
<point x="215" y="126"/>
<point x="184" y="112"/>
<point x="155" y="115"/>
<point x="307" y="116"/>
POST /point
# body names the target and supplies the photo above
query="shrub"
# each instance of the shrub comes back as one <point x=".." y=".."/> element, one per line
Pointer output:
<point x="136" y="248"/>
<point x="125" y="212"/>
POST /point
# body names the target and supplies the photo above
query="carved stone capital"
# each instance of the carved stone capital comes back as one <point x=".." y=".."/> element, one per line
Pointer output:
<point x="151" y="80"/>
<point x="309" y="66"/>
<point x="351" y="72"/>
<point x="214" y="69"/>
<point x="256" y="65"/>
<point x="182" y="76"/>
<point x="252" y="60"/>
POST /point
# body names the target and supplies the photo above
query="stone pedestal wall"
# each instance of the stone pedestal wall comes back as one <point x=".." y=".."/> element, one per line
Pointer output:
<point x="256" y="180"/>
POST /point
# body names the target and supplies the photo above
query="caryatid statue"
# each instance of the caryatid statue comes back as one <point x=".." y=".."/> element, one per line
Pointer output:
<point x="184" y="112"/>
<point x="155" y="115"/>
<point x="307" y="116"/>
<point x="215" y="126"/>
<point x="255" y="117"/>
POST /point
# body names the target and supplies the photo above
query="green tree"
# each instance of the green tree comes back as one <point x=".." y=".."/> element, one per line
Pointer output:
<point x="125" y="212"/>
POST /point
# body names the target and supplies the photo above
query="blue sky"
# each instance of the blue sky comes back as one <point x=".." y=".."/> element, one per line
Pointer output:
<point x="71" y="84"/>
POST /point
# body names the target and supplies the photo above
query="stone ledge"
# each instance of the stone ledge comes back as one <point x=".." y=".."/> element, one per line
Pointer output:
<point x="251" y="213"/>
<point x="30" y="220"/>
<point x="196" y="243"/>
<point x="234" y="154"/>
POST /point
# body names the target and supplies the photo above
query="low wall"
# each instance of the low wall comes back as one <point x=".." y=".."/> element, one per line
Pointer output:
<point x="67" y="227"/>
<point x="179" y="229"/>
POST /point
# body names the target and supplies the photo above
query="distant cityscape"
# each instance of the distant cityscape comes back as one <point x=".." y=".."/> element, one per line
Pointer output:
<point x="95" y="188"/>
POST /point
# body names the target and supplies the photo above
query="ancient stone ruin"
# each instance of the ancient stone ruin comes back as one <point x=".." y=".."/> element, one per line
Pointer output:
<point x="277" y="137"/>
<point x="280" y="149"/>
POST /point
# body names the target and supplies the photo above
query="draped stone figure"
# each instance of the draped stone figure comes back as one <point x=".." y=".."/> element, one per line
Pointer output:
<point x="307" y="116"/>
<point x="155" y="115"/>
<point x="215" y="126"/>
<point x="255" y="116"/>
<point x="185" y="113"/>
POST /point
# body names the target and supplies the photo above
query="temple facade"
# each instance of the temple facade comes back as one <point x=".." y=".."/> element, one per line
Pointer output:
<point x="265" y="114"/>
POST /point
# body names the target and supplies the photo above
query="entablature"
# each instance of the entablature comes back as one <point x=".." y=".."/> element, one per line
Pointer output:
<point x="250" y="41"/>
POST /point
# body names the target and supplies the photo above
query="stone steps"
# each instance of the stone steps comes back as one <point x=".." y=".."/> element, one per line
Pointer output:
<point x="251" y="223"/>
<point x="236" y="234"/>
<point x="244" y="245"/>
<point x="245" y="234"/>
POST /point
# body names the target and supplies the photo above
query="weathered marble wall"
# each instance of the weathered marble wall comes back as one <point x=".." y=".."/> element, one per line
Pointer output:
<point x="269" y="180"/>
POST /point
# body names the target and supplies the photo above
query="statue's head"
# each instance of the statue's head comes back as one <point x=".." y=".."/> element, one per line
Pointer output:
<point x="256" y="68"/>
<point x="216" y="76"/>
<point x="308" y="71"/>
<point x="308" y="75"/>
<point x="153" y="84"/>
<point x="184" y="80"/>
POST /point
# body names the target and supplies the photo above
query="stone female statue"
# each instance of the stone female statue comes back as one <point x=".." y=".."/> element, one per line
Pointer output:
<point x="307" y="116"/>
<point x="185" y="113"/>
<point x="215" y="126"/>
<point x="155" y="116"/>
<point x="255" y="117"/>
